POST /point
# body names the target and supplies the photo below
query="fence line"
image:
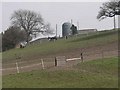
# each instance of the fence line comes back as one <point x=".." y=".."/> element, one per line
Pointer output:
<point x="73" y="59"/>
<point x="51" y="59"/>
<point x="45" y="63"/>
<point x="84" y="54"/>
<point x="30" y="65"/>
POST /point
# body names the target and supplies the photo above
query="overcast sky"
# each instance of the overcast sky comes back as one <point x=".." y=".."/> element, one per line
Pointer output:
<point x="59" y="12"/>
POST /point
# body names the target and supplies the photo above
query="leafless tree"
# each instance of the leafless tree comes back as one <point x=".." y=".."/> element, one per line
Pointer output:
<point x="29" y="21"/>
<point x="48" y="30"/>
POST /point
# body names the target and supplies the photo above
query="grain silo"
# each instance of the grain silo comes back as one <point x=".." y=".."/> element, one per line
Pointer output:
<point x="66" y="29"/>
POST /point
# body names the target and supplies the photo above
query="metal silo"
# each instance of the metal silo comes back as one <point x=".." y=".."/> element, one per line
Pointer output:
<point x="66" y="31"/>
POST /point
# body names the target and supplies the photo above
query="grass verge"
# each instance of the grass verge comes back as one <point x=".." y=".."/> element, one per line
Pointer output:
<point x="101" y="73"/>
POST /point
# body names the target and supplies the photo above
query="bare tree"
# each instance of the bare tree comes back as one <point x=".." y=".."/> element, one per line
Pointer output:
<point x="29" y="21"/>
<point x="48" y="30"/>
<point x="109" y="9"/>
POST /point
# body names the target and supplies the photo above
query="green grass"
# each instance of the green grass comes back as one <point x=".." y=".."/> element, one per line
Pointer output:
<point x="49" y="48"/>
<point x="97" y="35"/>
<point x="102" y="73"/>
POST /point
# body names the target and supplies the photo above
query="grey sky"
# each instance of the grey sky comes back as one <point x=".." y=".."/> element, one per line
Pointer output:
<point x="59" y="12"/>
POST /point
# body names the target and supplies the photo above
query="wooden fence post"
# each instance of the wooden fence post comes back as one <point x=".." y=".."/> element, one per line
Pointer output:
<point x="81" y="56"/>
<point x="42" y="64"/>
<point x="55" y="61"/>
<point x="17" y="67"/>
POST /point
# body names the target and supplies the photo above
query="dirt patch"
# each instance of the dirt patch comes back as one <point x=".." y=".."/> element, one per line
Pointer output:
<point x="89" y="50"/>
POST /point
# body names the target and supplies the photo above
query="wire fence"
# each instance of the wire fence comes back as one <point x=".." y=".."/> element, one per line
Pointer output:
<point x="58" y="61"/>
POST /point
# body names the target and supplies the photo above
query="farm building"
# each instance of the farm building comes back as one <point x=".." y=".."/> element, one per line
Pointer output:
<point x="86" y="31"/>
<point x="66" y="29"/>
<point x="39" y="40"/>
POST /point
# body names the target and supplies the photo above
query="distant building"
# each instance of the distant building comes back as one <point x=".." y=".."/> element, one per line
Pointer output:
<point x="66" y="29"/>
<point x="38" y="40"/>
<point x="86" y="31"/>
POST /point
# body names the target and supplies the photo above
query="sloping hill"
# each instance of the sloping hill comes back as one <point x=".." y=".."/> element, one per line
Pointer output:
<point x="98" y="73"/>
<point x="63" y="47"/>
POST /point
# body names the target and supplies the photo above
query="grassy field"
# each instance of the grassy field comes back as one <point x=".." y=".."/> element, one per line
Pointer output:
<point x="61" y="45"/>
<point x="102" y="73"/>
